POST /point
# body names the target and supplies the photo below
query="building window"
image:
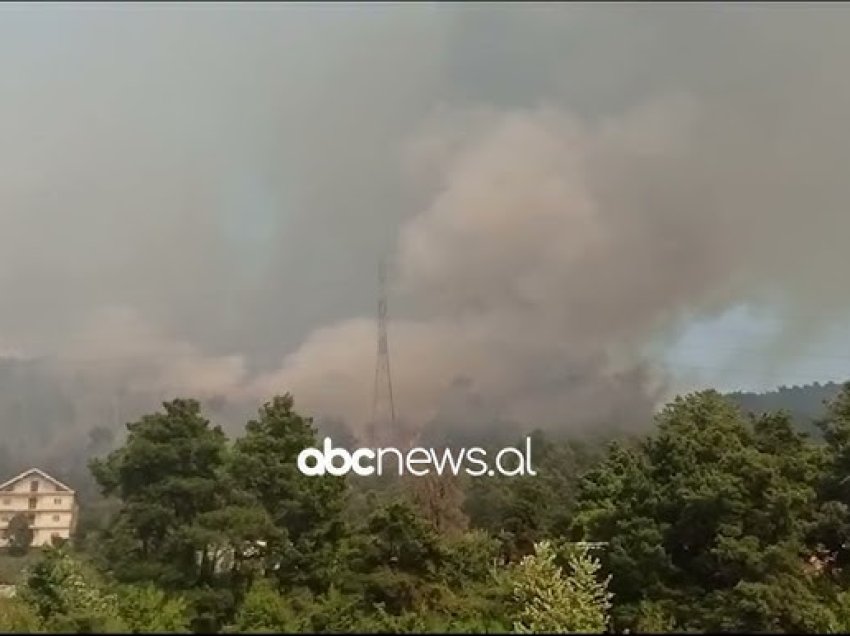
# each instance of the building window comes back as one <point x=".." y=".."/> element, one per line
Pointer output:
<point x="34" y="485"/>
<point x="32" y="503"/>
<point x="56" y="517"/>
<point x="31" y="518"/>
<point x="7" y="518"/>
<point x="7" y="502"/>
<point x="58" y="501"/>
<point x="4" y="534"/>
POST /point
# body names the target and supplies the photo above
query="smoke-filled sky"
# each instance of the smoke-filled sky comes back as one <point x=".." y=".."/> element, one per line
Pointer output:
<point x="585" y="207"/>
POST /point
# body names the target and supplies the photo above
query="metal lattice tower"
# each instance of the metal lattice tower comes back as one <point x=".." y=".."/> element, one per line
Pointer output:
<point x="383" y="422"/>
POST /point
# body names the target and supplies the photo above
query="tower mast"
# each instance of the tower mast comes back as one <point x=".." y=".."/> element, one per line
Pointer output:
<point x="383" y="406"/>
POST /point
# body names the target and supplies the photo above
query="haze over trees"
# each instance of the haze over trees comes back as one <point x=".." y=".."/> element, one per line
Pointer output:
<point x="569" y="197"/>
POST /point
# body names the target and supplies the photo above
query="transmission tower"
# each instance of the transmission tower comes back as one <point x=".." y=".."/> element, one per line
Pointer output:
<point x="383" y="422"/>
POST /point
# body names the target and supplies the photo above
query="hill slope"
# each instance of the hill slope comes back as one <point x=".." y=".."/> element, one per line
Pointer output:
<point x="804" y="403"/>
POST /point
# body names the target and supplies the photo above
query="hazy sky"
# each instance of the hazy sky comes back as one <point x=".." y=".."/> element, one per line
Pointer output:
<point x="206" y="186"/>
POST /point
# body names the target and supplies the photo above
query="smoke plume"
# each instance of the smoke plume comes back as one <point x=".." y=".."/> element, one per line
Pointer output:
<point x="562" y="189"/>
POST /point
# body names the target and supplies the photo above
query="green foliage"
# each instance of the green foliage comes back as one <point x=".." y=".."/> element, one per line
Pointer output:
<point x="13" y="567"/>
<point x="532" y="506"/>
<point x="67" y="596"/>
<point x="833" y="530"/>
<point x="654" y="617"/>
<point x="307" y="511"/>
<point x="711" y="510"/>
<point x="337" y="612"/>
<point x="439" y="499"/>
<point x="548" y="601"/>
<point x="20" y="534"/>
<point x="167" y="475"/>
<point x="61" y="593"/>
<point x="18" y="617"/>
<point x="716" y="521"/>
<point x="146" y="609"/>
<point x="265" y="610"/>
<point x="402" y="540"/>
<point x="397" y="557"/>
<point x="469" y="557"/>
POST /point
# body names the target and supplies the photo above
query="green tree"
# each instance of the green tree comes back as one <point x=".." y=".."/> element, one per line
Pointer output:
<point x="20" y="534"/>
<point x="439" y="499"/>
<point x="336" y="611"/>
<point x="400" y="557"/>
<point x="654" y="617"/>
<point x="146" y="609"/>
<point x="307" y="510"/>
<point x="833" y="529"/>
<point x="469" y="557"/>
<point x="239" y="543"/>
<point x="528" y="508"/>
<point x="265" y="610"/>
<point x="167" y="475"/>
<point x="711" y="515"/>
<point x="68" y="596"/>
<point x="18" y="617"/>
<point x="549" y="601"/>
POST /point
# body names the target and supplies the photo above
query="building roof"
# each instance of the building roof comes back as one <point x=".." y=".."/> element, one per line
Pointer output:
<point x="41" y="474"/>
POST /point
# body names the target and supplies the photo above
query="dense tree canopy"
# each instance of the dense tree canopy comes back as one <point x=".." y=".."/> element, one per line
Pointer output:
<point x="306" y="511"/>
<point x="709" y="517"/>
<point x="717" y="520"/>
<point x="168" y="475"/>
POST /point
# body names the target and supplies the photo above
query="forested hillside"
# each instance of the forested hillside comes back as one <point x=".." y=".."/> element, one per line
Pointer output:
<point x="805" y="404"/>
<point x="714" y="521"/>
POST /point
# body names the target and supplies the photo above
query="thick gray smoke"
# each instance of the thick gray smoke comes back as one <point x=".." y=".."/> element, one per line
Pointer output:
<point x="190" y="196"/>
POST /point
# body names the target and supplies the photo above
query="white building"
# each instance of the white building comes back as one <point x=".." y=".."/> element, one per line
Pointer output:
<point x="50" y="505"/>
